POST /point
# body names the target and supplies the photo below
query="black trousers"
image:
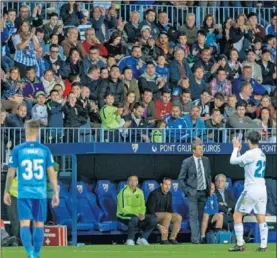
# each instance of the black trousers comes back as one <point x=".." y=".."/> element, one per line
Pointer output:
<point x="12" y="215"/>
<point x="146" y="226"/>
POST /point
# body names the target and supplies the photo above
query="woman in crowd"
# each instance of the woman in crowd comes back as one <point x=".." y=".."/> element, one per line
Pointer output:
<point x="268" y="130"/>
<point x="114" y="46"/>
<point x="129" y="103"/>
<point x="73" y="64"/>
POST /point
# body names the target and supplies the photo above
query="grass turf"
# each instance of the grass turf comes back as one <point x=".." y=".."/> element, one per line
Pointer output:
<point x="153" y="251"/>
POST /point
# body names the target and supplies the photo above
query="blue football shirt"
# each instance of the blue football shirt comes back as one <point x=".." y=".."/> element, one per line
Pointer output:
<point x="31" y="160"/>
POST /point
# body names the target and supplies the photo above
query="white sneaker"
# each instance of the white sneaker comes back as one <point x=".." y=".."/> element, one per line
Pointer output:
<point x="142" y="241"/>
<point x="130" y="242"/>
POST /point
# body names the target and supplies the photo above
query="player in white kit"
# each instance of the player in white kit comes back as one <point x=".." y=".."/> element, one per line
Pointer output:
<point x="254" y="196"/>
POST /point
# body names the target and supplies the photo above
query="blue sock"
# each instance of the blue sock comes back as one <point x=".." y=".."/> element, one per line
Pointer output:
<point x="26" y="239"/>
<point x="38" y="236"/>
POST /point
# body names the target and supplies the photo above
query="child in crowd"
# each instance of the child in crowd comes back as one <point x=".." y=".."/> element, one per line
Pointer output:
<point x="230" y="108"/>
<point x="258" y="48"/>
<point x="76" y="89"/>
<point x="182" y="43"/>
<point x="68" y="83"/>
<point x="158" y="135"/>
<point x="161" y="69"/>
<point x="211" y="215"/>
<point x="39" y="110"/>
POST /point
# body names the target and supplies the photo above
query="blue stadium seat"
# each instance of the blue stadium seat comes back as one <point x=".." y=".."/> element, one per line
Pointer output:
<point x="229" y="184"/>
<point x="62" y="214"/>
<point x="121" y="185"/>
<point x="148" y="186"/>
<point x="238" y="188"/>
<point x="88" y="209"/>
<point x="180" y="203"/>
<point x="106" y="195"/>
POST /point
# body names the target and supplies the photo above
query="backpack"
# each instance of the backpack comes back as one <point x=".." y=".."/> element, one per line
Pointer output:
<point x="220" y="237"/>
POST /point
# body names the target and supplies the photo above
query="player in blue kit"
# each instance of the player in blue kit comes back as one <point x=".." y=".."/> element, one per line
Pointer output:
<point x="32" y="161"/>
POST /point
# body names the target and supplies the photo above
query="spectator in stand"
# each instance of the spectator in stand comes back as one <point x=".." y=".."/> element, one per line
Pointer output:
<point x="110" y="62"/>
<point x="163" y="105"/>
<point x="218" y="103"/>
<point x="163" y="26"/>
<point x="33" y="84"/>
<point x="113" y="85"/>
<point x="199" y="45"/>
<point x="257" y="45"/>
<point x="104" y="73"/>
<point x="73" y="64"/>
<point x="214" y="126"/>
<point x="197" y="84"/>
<point x="222" y="63"/>
<point x="195" y="123"/>
<point x="161" y="69"/>
<point x="221" y="84"/>
<point x="92" y="81"/>
<point x="271" y="45"/>
<point x="149" y="106"/>
<point x="10" y="21"/>
<point x="230" y="108"/>
<point x="212" y="218"/>
<point x="91" y="40"/>
<point x="239" y="121"/>
<point x="241" y="36"/>
<point x="137" y="121"/>
<point x="190" y="29"/>
<point x="149" y="20"/>
<point x="178" y="70"/>
<point x="101" y="24"/>
<point x="182" y="43"/>
<point x="70" y="13"/>
<point x="204" y="104"/>
<point x="58" y="87"/>
<point x="114" y="46"/>
<point x="40" y="37"/>
<point x="26" y="44"/>
<point x="151" y="80"/>
<point x="268" y="127"/>
<point x="39" y="110"/>
<point x="159" y="203"/>
<point x="195" y="182"/>
<point x="129" y="103"/>
<point x="84" y="24"/>
<point x="55" y="110"/>
<point x="129" y="83"/>
<point x="72" y="42"/>
<point x="24" y="16"/>
<point x="184" y="102"/>
<point x="269" y="74"/>
<point x="256" y="68"/>
<point x="76" y="89"/>
<point x="131" y="211"/>
<point x="48" y="81"/>
<point x="52" y="28"/>
<point x="177" y="125"/>
<point x="53" y="60"/>
<point x="265" y="103"/>
<point x="272" y="27"/>
<point x="163" y="48"/>
<point x="93" y="59"/>
<point x="245" y="98"/>
<point x="225" y="200"/>
<point x="54" y="40"/>
<point x="131" y="29"/>
<point x="206" y="61"/>
<point x="234" y="63"/>
<point x="224" y="42"/>
<point x="158" y="134"/>
<point x="258" y="90"/>
<point x="41" y="65"/>
<point x="257" y="29"/>
<point x="111" y="115"/>
<point x="12" y="90"/>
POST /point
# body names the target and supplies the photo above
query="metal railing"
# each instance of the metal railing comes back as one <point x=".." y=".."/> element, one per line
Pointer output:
<point x="177" y="15"/>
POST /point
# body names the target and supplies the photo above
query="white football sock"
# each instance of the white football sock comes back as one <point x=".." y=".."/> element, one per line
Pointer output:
<point x="239" y="234"/>
<point x="263" y="234"/>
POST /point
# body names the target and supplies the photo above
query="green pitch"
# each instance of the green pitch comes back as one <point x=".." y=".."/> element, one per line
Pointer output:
<point x="153" y="251"/>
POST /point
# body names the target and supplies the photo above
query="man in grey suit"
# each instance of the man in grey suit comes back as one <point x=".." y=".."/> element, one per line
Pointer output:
<point x="195" y="181"/>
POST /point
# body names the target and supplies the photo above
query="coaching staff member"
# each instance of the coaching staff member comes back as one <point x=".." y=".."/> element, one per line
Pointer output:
<point x="195" y="181"/>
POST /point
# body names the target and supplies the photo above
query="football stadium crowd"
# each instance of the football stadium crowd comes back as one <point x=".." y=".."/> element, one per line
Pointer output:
<point x="87" y="69"/>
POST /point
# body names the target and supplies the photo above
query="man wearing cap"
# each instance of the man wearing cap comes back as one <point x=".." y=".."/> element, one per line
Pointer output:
<point x="150" y="16"/>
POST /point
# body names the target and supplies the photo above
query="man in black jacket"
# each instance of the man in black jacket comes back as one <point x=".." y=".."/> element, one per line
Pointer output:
<point x="225" y="201"/>
<point x="160" y="203"/>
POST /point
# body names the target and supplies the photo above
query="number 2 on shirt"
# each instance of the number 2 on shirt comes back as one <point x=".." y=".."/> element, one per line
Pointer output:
<point x="33" y="169"/>
<point x="260" y="169"/>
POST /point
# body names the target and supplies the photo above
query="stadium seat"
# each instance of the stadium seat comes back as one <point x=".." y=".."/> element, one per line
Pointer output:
<point x="180" y="203"/>
<point x="148" y="186"/>
<point x="229" y="184"/>
<point x="89" y="211"/>
<point x="121" y="185"/>
<point x="238" y="188"/>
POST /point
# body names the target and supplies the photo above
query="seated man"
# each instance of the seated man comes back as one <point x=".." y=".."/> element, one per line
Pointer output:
<point x="131" y="211"/>
<point x="225" y="201"/>
<point x="159" y="203"/>
<point x="211" y="216"/>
